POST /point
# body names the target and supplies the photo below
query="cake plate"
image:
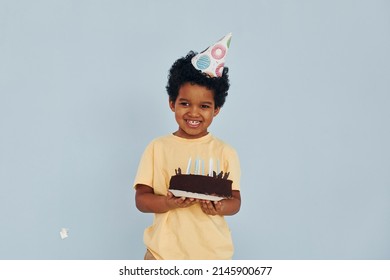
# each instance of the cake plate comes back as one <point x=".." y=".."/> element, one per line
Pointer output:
<point x="180" y="193"/>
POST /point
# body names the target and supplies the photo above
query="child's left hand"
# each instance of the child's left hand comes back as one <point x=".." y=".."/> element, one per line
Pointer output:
<point x="211" y="207"/>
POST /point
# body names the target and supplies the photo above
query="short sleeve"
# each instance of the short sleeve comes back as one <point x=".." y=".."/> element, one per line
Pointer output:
<point x="232" y="163"/>
<point x="144" y="174"/>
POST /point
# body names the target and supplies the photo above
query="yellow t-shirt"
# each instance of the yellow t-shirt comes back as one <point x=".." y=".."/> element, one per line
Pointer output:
<point x="187" y="233"/>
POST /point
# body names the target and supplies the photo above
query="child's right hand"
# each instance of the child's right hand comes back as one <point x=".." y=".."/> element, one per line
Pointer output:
<point x="179" y="202"/>
<point x="149" y="202"/>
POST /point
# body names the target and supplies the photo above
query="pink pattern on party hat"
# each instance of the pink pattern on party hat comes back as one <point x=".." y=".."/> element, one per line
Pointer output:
<point x="212" y="60"/>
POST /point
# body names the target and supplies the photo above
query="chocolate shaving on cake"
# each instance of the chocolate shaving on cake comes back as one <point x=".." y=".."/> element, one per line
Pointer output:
<point x="178" y="171"/>
<point x="226" y="175"/>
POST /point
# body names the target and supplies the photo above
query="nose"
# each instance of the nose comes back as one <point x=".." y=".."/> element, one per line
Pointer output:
<point x="194" y="111"/>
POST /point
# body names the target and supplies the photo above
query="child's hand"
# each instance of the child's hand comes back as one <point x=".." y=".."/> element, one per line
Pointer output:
<point x="179" y="202"/>
<point x="211" y="207"/>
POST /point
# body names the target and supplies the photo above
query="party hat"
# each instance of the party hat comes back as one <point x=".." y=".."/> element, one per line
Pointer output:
<point x="212" y="60"/>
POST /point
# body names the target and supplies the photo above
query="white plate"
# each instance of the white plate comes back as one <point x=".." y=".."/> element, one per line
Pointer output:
<point x="179" y="193"/>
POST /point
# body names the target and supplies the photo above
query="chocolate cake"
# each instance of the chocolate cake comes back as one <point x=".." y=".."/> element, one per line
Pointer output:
<point x="216" y="185"/>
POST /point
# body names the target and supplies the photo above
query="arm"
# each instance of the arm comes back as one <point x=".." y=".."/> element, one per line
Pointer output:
<point x="147" y="201"/>
<point x="224" y="207"/>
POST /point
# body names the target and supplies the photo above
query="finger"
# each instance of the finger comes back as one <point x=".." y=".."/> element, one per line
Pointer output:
<point x="217" y="205"/>
<point x="210" y="205"/>
<point x="179" y="201"/>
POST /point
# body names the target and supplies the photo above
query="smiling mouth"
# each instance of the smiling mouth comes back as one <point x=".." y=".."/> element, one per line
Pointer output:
<point x="192" y="123"/>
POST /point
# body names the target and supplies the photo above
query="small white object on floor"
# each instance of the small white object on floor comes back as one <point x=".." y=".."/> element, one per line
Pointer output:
<point x="64" y="233"/>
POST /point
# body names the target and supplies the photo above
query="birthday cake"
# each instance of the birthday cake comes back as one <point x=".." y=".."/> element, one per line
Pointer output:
<point x="214" y="187"/>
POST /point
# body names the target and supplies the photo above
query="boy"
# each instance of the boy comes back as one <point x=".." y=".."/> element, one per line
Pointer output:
<point x="189" y="228"/>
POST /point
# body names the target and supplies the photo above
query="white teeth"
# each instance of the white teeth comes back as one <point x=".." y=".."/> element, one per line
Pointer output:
<point x="193" y="122"/>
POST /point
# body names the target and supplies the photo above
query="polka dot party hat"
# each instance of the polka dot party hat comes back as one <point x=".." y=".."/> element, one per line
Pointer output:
<point x="212" y="60"/>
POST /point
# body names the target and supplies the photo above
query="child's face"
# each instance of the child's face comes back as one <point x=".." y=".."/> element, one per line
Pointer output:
<point x="194" y="110"/>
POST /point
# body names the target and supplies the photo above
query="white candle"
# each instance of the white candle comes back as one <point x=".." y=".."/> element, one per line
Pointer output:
<point x="196" y="167"/>
<point x="188" y="166"/>
<point x="218" y="167"/>
<point x="211" y="167"/>
<point x="202" y="167"/>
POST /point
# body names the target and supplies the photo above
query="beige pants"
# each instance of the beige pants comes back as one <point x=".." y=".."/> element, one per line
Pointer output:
<point x="148" y="256"/>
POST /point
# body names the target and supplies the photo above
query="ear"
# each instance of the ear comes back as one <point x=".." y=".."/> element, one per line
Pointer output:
<point x="172" y="105"/>
<point x="216" y="111"/>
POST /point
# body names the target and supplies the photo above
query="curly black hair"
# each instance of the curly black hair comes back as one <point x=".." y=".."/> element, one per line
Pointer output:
<point x="182" y="71"/>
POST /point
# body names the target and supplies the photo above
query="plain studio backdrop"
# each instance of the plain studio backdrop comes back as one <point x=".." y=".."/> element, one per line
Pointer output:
<point x="82" y="92"/>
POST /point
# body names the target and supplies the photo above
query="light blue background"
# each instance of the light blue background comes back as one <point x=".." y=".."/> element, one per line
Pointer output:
<point x="82" y="92"/>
